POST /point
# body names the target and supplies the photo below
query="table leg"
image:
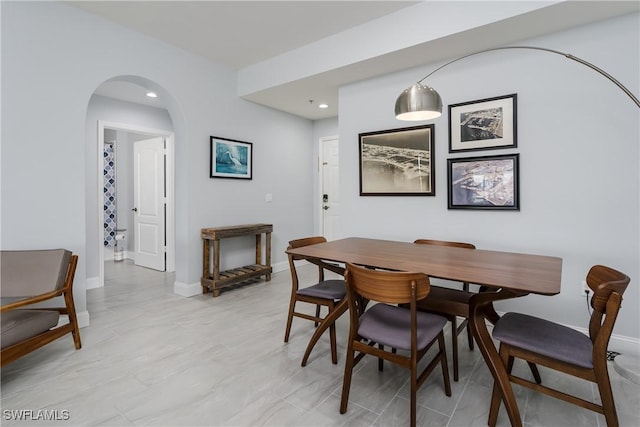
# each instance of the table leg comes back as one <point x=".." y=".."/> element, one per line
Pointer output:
<point x="258" y="248"/>
<point x="267" y="252"/>
<point x="205" y="264"/>
<point x="481" y="310"/>
<point x="216" y="267"/>
<point x="338" y="310"/>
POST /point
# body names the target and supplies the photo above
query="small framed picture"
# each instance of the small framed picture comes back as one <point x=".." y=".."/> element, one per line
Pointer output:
<point x="230" y="158"/>
<point x="398" y="162"/>
<point x="489" y="182"/>
<point x="483" y="125"/>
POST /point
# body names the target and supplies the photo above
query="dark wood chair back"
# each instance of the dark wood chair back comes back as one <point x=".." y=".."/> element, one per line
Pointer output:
<point x="386" y="324"/>
<point x="603" y="281"/>
<point x="322" y="293"/>
<point x="452" y="303"/>
<point x="566" y="350"/>
<point x="298" y="243"/>
<point x="608" y="285"/>
<point x="391" y="287"/>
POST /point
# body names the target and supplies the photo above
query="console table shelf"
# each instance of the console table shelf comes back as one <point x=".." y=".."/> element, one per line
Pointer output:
<point x="212" y="278"/>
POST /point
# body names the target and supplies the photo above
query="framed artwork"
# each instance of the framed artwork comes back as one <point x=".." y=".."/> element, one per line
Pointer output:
<point x="489" y="182"/>
<point x="483" y="125"/>
<point x="398" y="162"/>
<point x="230" y="158"/>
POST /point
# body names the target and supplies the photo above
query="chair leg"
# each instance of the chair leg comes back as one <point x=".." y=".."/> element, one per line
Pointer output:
<point x="346" y="383"/>
<point x="443" y="363"/>
<point x="469" y="336"/>
<point x="414" y="388"/>
<point x="73" y="319"/>
<point x="317" y="315"/>
<point x="454" y="346"/>
<point x="380" y="361"/>
<point x="535" y="372"/>
<point x="292" y="306"/>
<point x="532" y="366"/>
<point x="606" y="396"/>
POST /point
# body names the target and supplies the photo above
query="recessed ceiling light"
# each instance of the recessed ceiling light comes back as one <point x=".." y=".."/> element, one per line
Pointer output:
<point x="152" y="95"/>
<point x="323" y="105"/>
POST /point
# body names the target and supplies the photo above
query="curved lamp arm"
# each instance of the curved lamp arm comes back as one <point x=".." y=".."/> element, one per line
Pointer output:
<point x="421" y="102"/>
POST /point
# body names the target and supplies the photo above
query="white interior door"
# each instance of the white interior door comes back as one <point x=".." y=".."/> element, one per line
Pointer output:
<point x="330" y="191"/>
<point x="149" y="200"/>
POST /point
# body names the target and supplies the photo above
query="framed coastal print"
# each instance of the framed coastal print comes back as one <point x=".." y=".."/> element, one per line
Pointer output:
<point x="230" y="158"/>
<point x="489" y="182"/>
<point x="485" y="124"/>
<point x="398" y="162"/>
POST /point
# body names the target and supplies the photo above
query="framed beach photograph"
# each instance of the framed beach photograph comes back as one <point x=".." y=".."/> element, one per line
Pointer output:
<point x="484" y="124"/>
<point x="489" y="182"/>
<point x="398" y="162"/>
<point x="230" y="158"/>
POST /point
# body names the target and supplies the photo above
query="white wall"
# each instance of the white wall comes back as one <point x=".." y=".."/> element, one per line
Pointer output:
<point x="53" y="58"/>
<point x="578" y="139"/>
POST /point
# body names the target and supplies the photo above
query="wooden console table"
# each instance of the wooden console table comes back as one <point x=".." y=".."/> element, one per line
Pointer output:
<point x="214" y="279"/>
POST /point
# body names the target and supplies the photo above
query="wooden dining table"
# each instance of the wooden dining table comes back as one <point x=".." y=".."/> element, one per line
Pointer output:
<point x="506" y="274"/>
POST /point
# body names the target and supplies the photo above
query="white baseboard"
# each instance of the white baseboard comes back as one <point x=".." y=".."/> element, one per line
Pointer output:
<point x="192" y="289"/>
<point x="83" y="319"/>
<point x="280" y="266"/>
<point x="93" y="282"/>
<point x="186" y="289"/>
<point x="625" y="345"/>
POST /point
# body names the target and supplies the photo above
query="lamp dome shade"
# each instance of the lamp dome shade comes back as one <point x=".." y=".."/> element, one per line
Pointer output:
<point x="418" y="102"/>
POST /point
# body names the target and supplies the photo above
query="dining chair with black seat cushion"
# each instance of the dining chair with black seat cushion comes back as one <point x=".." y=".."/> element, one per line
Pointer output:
<point x="322" y="293"/>
<point x="451" y="303"/>
<point x="564" y="349"/>
<point x="403" y="330"/>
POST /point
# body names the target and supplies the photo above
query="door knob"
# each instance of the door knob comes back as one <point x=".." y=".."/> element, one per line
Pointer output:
<point x="325" y="207"/>
<point x="135" y="209"/>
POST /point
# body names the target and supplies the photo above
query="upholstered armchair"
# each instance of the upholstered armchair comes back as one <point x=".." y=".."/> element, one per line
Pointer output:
<point x="27" y="278"/>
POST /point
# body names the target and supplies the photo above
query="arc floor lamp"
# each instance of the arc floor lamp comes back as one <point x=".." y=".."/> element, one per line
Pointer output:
<point x="421" y="102"/>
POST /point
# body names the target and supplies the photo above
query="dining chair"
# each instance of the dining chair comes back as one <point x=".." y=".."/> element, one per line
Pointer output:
<point x="564" y="349"/>
<point x="408" y="332"/>
<point x="450" y="303"/>
<point x="322" y="293"/>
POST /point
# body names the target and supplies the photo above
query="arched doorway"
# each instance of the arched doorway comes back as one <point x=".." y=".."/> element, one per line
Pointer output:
<point x="119" y="116"/>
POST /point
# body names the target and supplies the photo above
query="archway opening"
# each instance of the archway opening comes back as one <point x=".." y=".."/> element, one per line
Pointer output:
<point x="119" y="117"/>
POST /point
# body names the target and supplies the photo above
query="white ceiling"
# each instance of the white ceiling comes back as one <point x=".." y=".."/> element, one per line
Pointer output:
<point x="243" y="34"/>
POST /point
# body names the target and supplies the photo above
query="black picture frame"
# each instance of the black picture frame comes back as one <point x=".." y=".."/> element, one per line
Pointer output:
<point x="487" y="182"/>
<point x="398" y="162"/>
<point x="484" y="124"/>
<point x="230" y="158"/>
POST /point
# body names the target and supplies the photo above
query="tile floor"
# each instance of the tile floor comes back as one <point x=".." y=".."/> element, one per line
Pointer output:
<point x="153" y="358"/>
